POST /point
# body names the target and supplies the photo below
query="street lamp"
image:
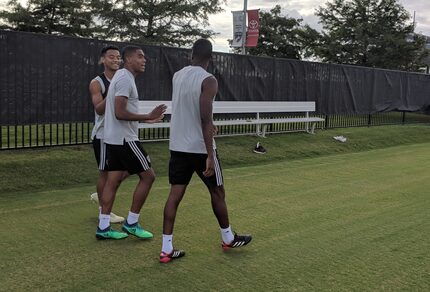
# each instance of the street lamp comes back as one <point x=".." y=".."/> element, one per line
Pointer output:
<point x="245" y="7"/>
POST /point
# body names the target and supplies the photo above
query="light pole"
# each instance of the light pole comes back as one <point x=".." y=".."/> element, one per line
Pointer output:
<point x="245" y="7"/>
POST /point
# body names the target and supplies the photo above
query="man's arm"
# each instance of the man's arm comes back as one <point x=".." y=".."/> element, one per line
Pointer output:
<point x="123" y="89"/>
<point x="96" y="97"/>
<point x="121" y="112"/>
<point x="209" y="90"/>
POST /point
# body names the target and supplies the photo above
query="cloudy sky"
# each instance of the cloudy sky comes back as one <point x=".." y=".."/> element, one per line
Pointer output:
<point x="222" y="22"/>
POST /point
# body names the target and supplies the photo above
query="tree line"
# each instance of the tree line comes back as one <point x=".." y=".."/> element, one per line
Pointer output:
<point x="371" y="33"/>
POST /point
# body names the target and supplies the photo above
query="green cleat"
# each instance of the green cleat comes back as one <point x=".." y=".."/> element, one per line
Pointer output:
<point x="109" y="233"/>
<point x="136" y="230"/>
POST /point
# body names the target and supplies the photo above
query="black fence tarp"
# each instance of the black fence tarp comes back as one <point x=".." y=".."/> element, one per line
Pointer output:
<point x="44" y="79"/>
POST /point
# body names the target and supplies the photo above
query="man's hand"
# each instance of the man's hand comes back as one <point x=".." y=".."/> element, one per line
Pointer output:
<point x="215" y="130"/>
<point x="210" y="168"/>
<point x="157" y="114"/>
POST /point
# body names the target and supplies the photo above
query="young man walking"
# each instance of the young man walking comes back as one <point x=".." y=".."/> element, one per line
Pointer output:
<point x="110" y="57"/>
<point x="124" y="150"/>
<point x="192" y="148"/>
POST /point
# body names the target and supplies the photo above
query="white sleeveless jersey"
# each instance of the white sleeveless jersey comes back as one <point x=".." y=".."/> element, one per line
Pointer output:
<point x="117" y="131"/>
<point x="185" y="126"/>
<point x="99" y="119"/>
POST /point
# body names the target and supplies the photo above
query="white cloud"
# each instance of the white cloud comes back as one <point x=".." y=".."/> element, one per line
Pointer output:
<point x="222" y="22"/>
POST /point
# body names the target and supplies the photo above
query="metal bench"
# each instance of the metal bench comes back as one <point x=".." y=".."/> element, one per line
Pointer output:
<point x="256" y="108"/>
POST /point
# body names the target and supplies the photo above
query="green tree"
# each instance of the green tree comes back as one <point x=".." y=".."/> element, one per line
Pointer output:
<point x="161" y="22"/>
<point x="283" y="37"/>
<point x="372" y="33"/>
<point x="66" y="17"/>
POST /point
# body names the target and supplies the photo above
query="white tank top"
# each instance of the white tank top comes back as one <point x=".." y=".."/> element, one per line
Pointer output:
<point x="185" y="126"/>
<point x="99" y="119"/>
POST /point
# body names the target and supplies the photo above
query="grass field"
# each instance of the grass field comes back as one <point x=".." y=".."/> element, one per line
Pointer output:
<point x="326" y="216"/>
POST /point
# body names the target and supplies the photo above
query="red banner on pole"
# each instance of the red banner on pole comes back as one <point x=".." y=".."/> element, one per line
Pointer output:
<point x="253" y="28"/>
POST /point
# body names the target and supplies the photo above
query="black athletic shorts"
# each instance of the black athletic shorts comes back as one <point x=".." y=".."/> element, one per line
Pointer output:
<point x="182" y="165"/>
<point x="130" y="157"/>
<point x="100" y="153"/>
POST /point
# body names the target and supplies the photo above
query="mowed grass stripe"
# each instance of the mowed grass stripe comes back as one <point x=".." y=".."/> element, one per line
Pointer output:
<point x="33" y="170"/>
<point x="345" y="222"/>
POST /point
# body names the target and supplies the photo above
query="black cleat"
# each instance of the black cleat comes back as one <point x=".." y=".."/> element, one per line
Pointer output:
<point x="259" y="149"/>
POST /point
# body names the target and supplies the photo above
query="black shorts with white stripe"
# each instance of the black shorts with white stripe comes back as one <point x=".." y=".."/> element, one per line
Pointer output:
<point x="182" y="165"/>
<point x="130" y="157"/>
<point x="100" y="153"/>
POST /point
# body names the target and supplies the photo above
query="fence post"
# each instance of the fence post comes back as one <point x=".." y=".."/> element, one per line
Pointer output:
<point x="326" y="122"/>
<point x="369" y="120"/>
<point x="403" y="117"/>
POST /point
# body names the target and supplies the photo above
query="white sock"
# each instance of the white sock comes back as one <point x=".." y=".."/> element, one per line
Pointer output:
<point x="132" y="218"/>
<point x="167" y="243"/>
<point x="104" y="221"/>
<point x="227" y="235"/>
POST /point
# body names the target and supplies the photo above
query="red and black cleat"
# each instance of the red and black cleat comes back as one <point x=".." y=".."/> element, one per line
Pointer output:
<point x="238" y="241"/>
<point x="175" y="254"/>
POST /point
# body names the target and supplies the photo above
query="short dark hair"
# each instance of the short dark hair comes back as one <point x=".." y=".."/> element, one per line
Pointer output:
<point x="105" y="49"/>
<point x="128" y="50"/>
<point x="202" y="50"/>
